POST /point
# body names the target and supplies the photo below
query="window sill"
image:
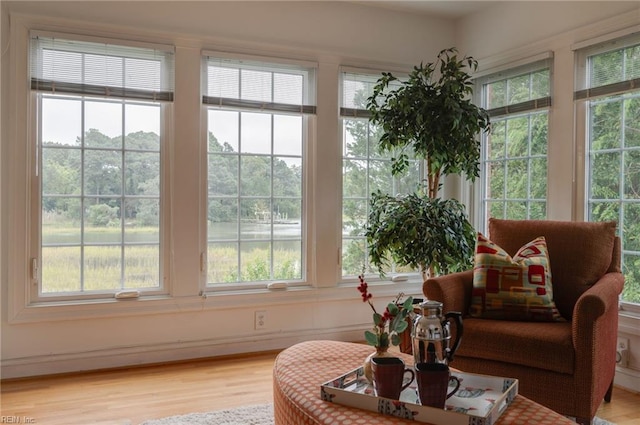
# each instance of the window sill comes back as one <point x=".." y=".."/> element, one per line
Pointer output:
<point x="219" y="300"/>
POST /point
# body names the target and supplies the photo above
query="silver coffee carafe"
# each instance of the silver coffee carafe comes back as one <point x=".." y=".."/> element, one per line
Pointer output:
<point x="431" y="335"/>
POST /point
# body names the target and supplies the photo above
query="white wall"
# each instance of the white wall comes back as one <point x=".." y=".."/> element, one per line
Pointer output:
<point x="513" y="31"/>
<point x="48" y="339"/>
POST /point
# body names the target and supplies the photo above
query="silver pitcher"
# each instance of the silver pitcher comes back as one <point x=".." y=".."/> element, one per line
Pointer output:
<point x="431" y="335"/>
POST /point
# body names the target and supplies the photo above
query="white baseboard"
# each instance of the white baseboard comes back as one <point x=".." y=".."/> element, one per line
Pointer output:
<point x="161" y="353"/>
<point x="629" y="379"/>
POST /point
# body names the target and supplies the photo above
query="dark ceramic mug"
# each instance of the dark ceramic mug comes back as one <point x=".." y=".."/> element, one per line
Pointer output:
<point x="433" y="384"/>
<point x="389" y="376"/>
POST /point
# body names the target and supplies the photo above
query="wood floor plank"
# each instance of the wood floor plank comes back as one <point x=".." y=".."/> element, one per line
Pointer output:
<point x="132" y="395"/>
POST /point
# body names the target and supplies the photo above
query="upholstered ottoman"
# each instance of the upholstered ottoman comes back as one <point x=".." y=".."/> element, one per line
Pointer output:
<point x="300" y="370"/>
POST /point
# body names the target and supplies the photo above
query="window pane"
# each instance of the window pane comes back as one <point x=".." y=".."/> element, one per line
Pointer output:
<point x="497" y="140"/>
<point x="142" y="220"/>
<point x="61" y="123"/>
<point x="287" y="135"/>
<point x="103" y="121"/>
<point x="287" y="260"/>
<point x="516" y="210"/>
<point x="223" y="174"/>
<point x="632" y="122"/>
<point x="142" y="127"/>
<point x="518" y="137"/>
<point x="287" y="219"/>
<point x="538" y="178"/>
<point x="363" y="175"/>
<point x="102" y="172"/>
<point x="223" y="130"/>
<point x="539" y="133"/>
<point x="102" y="268"/>
<point x="142" y="173"/>
<point x="495" y="178"/>
<point x="632" y="174"/>
<point x="60" y="171"/>
<point x="119" y="202"/>
<point x="141" y="268"/>
<point x="631" y="270"/>
<point x="354" y="216"/>
<point x="604" y="211"/>
<point x="537" y="210"/>
<point x="102" y="223"/>
<point x="354" y="256"/>
<point x="515" y="154"/>
<point x="379" y="177"/>
<point x="255" y="261"/>
<point x="605" y="175"/>
<point x="605" y="124"/>
<point x="517" y="179"/>
<point x="255" y="133"/>
<point x="287" y="177"/>
<point x="631" y="226"/>
<point x="61" y="220"/>
<point x="255" y="173"/>
<point x="223" y="219"/>
<point x="354" y="178"/>
<point x="61" y="269"/>
<point x="222" y="261"/>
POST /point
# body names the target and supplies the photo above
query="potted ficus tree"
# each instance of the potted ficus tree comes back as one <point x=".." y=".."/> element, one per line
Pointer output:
<point x="430" y="116"/>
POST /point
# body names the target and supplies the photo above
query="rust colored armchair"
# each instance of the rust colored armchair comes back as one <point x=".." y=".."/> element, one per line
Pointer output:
<point x="569" y="365"/>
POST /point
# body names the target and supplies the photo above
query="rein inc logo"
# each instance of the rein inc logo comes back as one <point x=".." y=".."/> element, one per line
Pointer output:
<point x="5" y="419"/>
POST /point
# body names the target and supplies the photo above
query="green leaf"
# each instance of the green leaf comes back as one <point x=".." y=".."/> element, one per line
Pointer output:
<point x="395" y="339"/>
<point x="408" y="304"/>
<point x="401" y="326"/>
<point x="371" y="338"/>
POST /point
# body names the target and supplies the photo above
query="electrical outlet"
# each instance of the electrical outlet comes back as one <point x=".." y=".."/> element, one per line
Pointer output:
<point x="260" y="320"/>
<point x="622" y="349"/>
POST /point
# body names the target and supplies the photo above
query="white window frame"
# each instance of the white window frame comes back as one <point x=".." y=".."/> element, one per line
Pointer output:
<point x="524" y="109"/>
<point x="348" y="112"/>
<point x="307" y="112"/>
<point x="35" y="166"/>
<point x="582" y="97"/>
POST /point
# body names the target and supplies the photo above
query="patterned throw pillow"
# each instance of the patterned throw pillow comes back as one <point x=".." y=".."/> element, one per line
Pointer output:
<point x="517" y="288"/>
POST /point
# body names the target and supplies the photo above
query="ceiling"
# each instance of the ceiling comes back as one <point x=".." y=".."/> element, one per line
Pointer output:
<point x="451" y="9"/>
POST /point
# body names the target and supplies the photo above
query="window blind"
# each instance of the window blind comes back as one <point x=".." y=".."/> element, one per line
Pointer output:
<point x="611" y="72"/>
<point x="522" y="89"/>
<point x="61" y="65"/>
<point x="356" y="89"/>
<point x="257" y="85"/>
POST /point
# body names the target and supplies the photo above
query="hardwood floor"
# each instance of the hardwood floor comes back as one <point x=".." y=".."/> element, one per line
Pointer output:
<point x="130" y="396"/>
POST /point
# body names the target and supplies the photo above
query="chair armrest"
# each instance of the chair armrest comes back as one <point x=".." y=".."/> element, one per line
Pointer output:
<point x="594" y="333"/>
<point x="452" y="290"/>
<point x="597" y="301"/>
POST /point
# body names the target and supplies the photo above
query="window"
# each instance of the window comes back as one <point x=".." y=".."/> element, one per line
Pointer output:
<point x="257" y="116"/>
<point x="365" y="170"/>
<point x="608" y="89"/>
<point x="514" y="153"/>
<point x="99" y="119"/>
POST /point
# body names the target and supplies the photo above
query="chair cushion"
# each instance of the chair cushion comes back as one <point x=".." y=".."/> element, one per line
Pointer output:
<point x="580" y="252"/>
<point x="543" y="345"/>
<point x="517" y="288"/>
